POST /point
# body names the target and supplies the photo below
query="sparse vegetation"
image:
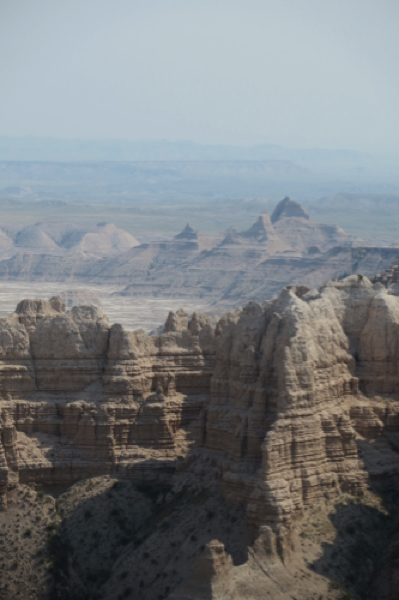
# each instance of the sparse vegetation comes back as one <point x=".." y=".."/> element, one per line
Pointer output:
<point x="95" y="550"/>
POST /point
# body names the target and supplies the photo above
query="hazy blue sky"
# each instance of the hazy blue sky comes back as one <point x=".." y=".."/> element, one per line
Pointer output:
<point x="292" y="72"/>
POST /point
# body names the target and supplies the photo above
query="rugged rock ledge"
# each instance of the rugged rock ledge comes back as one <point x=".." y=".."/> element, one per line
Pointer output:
<point x="282" y="403"/>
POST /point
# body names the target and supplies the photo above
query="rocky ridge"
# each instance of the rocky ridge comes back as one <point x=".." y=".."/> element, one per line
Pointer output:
<point x="60" y="238"/>
<point x="287" y="248"/>
<point x="280" y="406"/>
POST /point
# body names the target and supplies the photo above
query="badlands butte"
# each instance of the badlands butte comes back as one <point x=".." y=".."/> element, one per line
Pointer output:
<point x="228" y="269"/>
<point x="253" y="458"/>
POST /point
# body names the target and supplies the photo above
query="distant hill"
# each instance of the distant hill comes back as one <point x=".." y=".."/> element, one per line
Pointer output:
<point x="232" y="268"/>
<point x="60" y="238"/>
<point x="139" y="171"/>
<point x="53" y="149"/>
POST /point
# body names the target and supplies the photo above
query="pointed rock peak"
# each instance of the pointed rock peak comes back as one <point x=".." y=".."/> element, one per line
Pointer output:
<point x="176" y="321"/>
<point x="188" y="233"/>
<point x="262" y="228"/>
<point x="232" y="237"/>
<point x="288" y="208"/>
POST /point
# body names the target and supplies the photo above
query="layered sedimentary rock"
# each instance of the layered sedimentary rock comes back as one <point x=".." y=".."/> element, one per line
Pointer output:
<point x="389" y="278"/>
<point x="80" y="397"/>
<point x="285" y="402"/>
<point x="231" y="268"/>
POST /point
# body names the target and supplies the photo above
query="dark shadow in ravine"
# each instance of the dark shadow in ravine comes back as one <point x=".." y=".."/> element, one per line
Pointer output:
<point x="363" y="560"/>
<point x="136" y="539"/>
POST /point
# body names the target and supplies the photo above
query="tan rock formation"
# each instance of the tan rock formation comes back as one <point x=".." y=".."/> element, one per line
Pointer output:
<point x="295" y="228"/>
<point x="59" y="236"/>
<point x="232" y="268"/>
<point x="290" y="401"/>
<point x="289" y="378"/>
<point x="79" y="397"/>
<point x="211" y="576"/>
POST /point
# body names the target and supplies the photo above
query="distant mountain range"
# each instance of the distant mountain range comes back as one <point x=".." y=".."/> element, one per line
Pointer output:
<point x="53" y="149"/>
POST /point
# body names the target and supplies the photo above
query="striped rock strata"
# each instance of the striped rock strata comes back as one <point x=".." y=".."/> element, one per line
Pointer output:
<point x="79" y="397"/>
<point x="288" y="401"/>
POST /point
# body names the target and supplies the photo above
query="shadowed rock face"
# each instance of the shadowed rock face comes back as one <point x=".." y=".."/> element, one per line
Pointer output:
<point x="288" y="208"/>
<point x="211" y="576"/>
<point x="278" y="396"/>
<point x="262" y="229"/>
<point x="188" y="233"/>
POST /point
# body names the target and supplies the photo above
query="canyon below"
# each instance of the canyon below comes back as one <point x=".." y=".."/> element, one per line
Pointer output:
<point x="197" y="415"/>
<point x="256" y="457"/>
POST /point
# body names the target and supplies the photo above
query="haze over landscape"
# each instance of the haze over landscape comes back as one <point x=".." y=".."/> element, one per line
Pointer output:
<point x="199" y="300"/>
<point x="298" y="74"/>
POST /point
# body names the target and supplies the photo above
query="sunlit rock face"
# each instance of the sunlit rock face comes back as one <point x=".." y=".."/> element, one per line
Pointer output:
<point x="79" y="397"/>
<point x="298" y="385"/>
<point x="287" y="399"/>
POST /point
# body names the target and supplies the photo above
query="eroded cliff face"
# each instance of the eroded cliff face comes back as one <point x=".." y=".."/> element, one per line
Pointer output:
<point x="79" y="397"/>
<point x="302" y="389"/>
<point x="283" y="403"/>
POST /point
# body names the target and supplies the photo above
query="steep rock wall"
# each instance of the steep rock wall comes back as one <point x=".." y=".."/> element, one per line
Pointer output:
<point x="80" y="397"/>
<point x="298" y="384"/>
<point x="291" y="400"/>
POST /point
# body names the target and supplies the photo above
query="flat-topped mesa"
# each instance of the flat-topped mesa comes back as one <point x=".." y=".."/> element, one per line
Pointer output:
<point x="288" y="208"/>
